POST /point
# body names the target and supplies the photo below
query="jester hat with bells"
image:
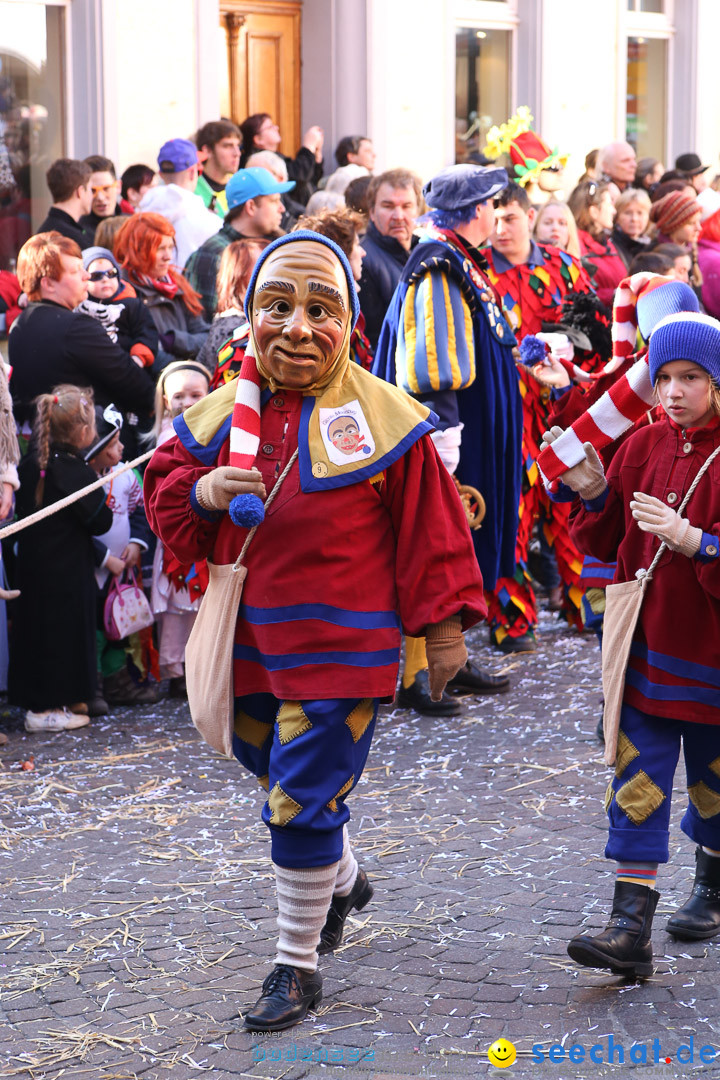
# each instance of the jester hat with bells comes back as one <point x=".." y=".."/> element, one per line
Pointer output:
<point x="529" y="153"/>
<point x="392" y="421"/>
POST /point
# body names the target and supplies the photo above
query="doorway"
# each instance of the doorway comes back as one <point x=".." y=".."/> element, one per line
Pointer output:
<point x="262" y="71"/>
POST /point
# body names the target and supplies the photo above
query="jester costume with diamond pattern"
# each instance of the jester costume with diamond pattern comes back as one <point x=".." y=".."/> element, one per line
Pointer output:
<point x="532" y="294"/>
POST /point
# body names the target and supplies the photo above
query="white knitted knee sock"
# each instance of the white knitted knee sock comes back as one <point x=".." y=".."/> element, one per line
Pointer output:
<point x="347" y="868"/>
<point x="304" y="896"/>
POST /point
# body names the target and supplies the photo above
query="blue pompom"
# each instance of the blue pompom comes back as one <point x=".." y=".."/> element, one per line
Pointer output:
<point x="246" y="511"/>
<point x="532" y="350"/>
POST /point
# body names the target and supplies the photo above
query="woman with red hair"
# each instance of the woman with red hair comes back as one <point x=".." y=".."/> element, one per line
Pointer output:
<point x="708" y="250"/>
<point x="145" y="248"/>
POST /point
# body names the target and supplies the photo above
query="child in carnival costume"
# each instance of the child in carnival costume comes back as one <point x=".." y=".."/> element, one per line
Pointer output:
<point x="671" y="682"/>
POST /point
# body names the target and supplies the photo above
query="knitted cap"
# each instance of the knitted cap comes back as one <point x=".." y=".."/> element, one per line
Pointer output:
<point x="673" y="210"/>
<point x="686" y="336"/>
<point x="90" y="254"/>
<point x="642" y="301"/>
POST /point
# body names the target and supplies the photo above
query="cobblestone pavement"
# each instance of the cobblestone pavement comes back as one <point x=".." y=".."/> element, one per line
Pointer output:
<point x="139" y="915"/>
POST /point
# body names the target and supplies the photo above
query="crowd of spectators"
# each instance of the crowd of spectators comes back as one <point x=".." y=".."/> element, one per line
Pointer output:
<point x="132" y="290"/>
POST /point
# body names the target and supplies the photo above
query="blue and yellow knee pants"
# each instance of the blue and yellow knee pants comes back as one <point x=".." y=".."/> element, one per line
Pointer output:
<point x="638" y="798"/>
<point x="308" y="755"/>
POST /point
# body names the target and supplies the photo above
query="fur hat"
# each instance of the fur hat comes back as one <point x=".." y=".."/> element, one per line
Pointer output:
<point x="689" y="335"/>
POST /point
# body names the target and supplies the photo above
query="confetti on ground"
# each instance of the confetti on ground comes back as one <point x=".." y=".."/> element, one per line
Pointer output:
<point x="138" y="913"/>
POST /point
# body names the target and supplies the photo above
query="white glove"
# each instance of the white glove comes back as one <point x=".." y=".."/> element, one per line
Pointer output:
<point x="447" y="444"/>
<point x="653" y="516"/>
<point x="588" y="477"/>
<point x="560" y="345"/>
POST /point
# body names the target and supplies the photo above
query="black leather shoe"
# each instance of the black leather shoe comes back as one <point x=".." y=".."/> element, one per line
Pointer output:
<point x="699" y="917"/>
<point x="526" y="643"/>
<point x="417" y="697"/>
<point x="624" y="945"/>
<point x="177" y="688"/>
<point x="471" y="680"/>
<point x="340" y="907"/>
<point x="600" y="729"/>
<point x="287" y="994"/>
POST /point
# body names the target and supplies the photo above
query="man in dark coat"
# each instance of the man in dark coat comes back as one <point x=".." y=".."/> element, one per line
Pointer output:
<point x="105" y="191"/>
<point x="394" y="200"/>
<point x="69" y="183"/>
<point x="52" y="344"/>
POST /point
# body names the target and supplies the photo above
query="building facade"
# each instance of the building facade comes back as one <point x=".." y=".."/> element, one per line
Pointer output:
<point x="425" y="79"/>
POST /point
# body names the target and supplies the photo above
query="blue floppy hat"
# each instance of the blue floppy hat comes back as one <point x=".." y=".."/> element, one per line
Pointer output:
<point x="459" y="186"/>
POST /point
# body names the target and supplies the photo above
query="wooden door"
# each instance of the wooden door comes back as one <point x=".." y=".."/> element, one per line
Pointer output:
<point x="263" y="64"/>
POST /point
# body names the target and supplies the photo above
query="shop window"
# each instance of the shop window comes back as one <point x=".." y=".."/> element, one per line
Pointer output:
<point x="482" y="86"/>
<point x="32" y="117"/>
<point x="655" y="6"/>
<point x="647" y="96"/>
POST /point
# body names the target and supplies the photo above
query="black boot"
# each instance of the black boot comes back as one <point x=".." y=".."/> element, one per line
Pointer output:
<point x="287" y="994"/>
<point x="624" y="945"/>
<point x="340" y="907"/>
<point x="417" y="697"/>
<point x="699" y="917"/>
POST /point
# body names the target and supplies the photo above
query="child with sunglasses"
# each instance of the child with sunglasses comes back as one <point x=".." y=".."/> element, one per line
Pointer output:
<point x="115" y="304"/>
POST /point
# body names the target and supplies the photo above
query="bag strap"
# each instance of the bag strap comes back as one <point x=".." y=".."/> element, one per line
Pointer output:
<point x="640" y="574"/>
<point x="268" y="501"/>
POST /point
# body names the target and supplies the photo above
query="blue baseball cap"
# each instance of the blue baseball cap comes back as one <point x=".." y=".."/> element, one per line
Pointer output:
<point x="249" y="183"/>
<point x="459" y="186"/>
<point x="176" y="155"/>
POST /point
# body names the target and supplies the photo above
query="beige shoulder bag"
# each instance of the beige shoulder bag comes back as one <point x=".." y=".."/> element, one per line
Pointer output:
<point x="209" y="651"/>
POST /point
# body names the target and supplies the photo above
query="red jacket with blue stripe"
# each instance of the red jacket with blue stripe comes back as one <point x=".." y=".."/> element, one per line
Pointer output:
<point x="674" y="668"/>
<point x="334" y="576"/>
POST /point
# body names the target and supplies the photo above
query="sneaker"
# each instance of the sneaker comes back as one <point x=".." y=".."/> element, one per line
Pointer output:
<point x="54" y="720"/>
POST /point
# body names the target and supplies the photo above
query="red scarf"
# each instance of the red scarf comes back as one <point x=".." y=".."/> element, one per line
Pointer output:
<point x="164" y="285"/>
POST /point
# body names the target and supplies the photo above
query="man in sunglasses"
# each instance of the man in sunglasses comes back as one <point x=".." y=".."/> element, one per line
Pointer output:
<point x="105" y="191"/>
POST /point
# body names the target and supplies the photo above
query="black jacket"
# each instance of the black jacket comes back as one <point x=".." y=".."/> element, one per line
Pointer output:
<point x="91" y="221"/>
<point x="382" y="266"/>
<point x="60" y="221"/>
<point x="628" y="248"/>
<point x="50" y="344"/>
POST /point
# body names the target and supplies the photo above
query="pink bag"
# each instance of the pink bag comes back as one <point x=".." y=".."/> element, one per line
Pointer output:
<point x="126" y="608"/>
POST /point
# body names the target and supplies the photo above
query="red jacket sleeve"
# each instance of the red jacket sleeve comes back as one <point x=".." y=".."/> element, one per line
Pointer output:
<point x="173" y="512"/>
<point x="437" y="574"/>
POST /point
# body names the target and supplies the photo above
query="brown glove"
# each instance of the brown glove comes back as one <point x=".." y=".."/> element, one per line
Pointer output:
<point x="217" y="489"/>
<point x="446" y="653"/>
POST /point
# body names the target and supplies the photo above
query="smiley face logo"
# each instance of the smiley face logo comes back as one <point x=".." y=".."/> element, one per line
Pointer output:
<point x="502" y="1053"/>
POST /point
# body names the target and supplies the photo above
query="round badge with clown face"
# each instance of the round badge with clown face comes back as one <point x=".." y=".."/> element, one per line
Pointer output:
<point x="346" y="435"/>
